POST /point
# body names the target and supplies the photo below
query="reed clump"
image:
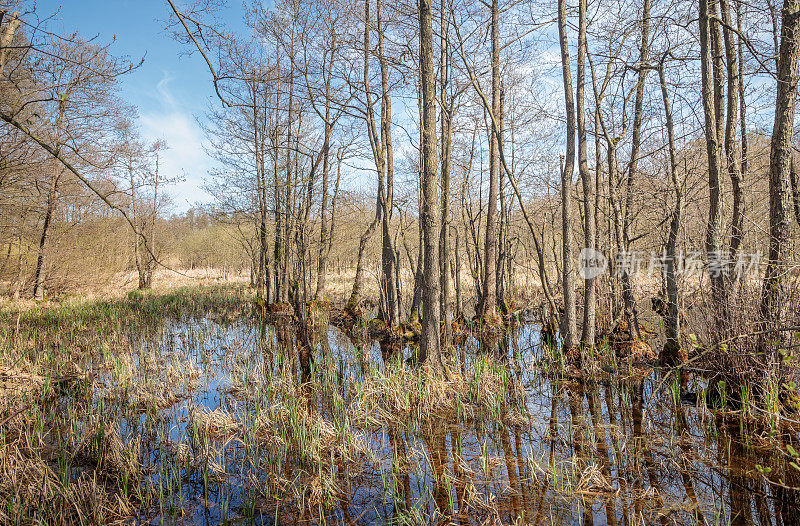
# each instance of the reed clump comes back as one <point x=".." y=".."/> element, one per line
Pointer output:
<point x="400" y="395"/>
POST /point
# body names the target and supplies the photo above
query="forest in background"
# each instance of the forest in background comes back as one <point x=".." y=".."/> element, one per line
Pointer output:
<point x="483" y="262"/>
<point x="672" y="114"/>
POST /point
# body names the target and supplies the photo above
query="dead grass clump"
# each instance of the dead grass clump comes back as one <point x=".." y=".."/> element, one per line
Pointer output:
<point x="279" y="309"/>
<point x="151" y="399"/>
<point x="218" y="423"/>
<point x="308" y="434"/>
<point x="592" y="483"/>
<point x="31" y="492"/>
<point x="319" y="312"/>
<point x="636" y="350"/>
<point x="399" y="396"/>
<point x="119" y="457"/>
<point x="18" y="390"/>
<point x="15" y="382"/>
<point x="350" y="320"/>
<point x="87" y="502"/>
<point x="26" y="484"/>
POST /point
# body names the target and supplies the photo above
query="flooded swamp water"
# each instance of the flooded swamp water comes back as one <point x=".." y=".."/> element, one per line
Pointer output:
<point x="234" y="422"/>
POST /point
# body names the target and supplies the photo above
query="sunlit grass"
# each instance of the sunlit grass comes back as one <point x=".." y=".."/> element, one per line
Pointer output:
<point x="158" y="406"/>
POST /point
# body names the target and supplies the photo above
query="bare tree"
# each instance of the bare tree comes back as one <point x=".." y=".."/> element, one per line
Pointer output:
<point x="587" y="179"/>
<point x="429" y="341"/>
<point x="568" y="321"/>
<point x="488" y="307"/>
<point x="773" y="307"/>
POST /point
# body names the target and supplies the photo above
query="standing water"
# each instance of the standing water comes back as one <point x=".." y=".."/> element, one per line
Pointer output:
<point x="234" y="422"/>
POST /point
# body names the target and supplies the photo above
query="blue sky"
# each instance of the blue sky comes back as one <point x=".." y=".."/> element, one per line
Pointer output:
<point x="170" y="89"/>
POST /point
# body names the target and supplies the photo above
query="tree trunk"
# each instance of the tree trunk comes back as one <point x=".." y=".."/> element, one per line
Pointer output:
<point x="39" y="276"/>
<point x="150" y="257"/>
<point x="325" y="249"/>
<point x="502" y="238"/>
<point x="568" y="321"/>
<point x="773" y="303"/>
<point x="429" y="341"/>
<point x="390" y="305"/>
<point x="587" y="180"/>
<point x="488" y="308"/>
<point x="457" y="276"/>
<point x="446" y="124"/>
<point x="358" y="282"/>
<point x="711" y="97"/>
<point x="623" y="230"/>
<point x="671" y="353"/>
<point x="278" y="201"/>
<point x="731" y="149"/>
<point x="52" y="193"/>
<point x="322" y="257"/>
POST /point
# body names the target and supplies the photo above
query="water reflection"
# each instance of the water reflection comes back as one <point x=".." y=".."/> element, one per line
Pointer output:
<point x="551" y="451"/>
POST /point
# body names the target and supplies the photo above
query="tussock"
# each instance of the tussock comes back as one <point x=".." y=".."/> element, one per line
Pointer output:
<point x="218" y="423"/>
<point x="398" y="395"/>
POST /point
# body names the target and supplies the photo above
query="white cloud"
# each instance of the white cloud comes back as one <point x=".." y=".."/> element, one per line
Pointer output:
<point x="185" y="158"/>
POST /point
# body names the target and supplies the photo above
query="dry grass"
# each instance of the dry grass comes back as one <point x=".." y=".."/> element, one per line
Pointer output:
<point x="280" y="440"/>
<point x="218" y="423"/>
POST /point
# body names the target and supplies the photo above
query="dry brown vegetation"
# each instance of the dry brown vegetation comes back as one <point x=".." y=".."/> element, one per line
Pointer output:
<point x="387" y="312"/>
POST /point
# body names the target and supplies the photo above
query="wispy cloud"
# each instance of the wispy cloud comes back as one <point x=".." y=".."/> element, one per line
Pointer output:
<point x="173" y="122"/>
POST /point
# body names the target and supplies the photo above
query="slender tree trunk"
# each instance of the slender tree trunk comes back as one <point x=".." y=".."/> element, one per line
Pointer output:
<point x="718" y="68"/>
<point x="671" y="353"/>
<point x="263" y="242"/>
<point x="488" y="306"/>
<point x="735" y="244"/>
<point x="502" y="235"/>
<point x="39" y="275"/>
<point x="711" y="97"/>
<point x="325" y="249"/>
<point x="568" y="322"/>
<point x="150" y="258"/>
<point x="445" y="118"/>
<point x="278" y="203"/>
<point x="388" y="261"/>
<point x="636" y="133"/>
<point x="291" y="196"/>
<point x="429" y="341"/>
<point x="731" y="148"/>
<point x="587" y="180"/>
<point x="623" y="230"/>
<point x="773" y="303"/>
<point x="137" y="256"/>
<point x="52" y="193"/>
<point x="322" y="257"/>
<point x="457" y="272"/>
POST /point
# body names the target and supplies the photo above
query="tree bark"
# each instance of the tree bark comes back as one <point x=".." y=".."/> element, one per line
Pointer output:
<point x="322" y="257"/>
<point x="568" y="321"/>
<point x="390" y="305"/>
<point x="710" y="99"/>
<point x="732" y="153"/>
<point x="39" y="275"/>
<point x="446" y="125"/>
<point x="737" y="235"/>
<point x="488" y="308"/>
<point x="278" y="199"/>
<point x="773" y="304"/>
<point x="587" y="180"/>
<point x="52" y="193"/>
<point x="671" y="353"/>
<point x="623" y="231"/>
<point x="429" y="341"/>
